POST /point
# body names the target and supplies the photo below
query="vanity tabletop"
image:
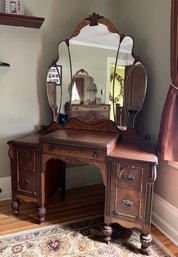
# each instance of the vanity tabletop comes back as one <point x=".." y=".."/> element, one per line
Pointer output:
<point x="31" y="139"/>
<point x="82" y="138"/>
<point x="141" y="151"/>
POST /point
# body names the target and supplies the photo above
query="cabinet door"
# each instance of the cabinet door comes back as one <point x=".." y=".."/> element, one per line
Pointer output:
<point x="127" y="189"/>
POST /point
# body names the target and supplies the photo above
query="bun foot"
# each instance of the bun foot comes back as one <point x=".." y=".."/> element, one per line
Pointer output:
<point x="41" y="215"/>
<point x="15" y="205"/>
<point x="146" y="241"/>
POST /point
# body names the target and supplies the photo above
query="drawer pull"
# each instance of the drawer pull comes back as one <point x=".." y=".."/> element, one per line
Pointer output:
<point x="51" y="148"/>
<point x="127" y="203"/>
<point x="26" y="181"/>
<point x="129" y="177"/>
<point x="94" y="155"/>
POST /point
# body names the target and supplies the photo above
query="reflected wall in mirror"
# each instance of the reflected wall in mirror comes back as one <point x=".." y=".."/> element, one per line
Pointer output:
<point x="96" y="51"/>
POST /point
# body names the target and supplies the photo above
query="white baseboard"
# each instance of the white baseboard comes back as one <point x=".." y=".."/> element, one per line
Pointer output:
<point x="76" y="176"/>
<point x="165" y="218"/>
<point x="5" y="185"/>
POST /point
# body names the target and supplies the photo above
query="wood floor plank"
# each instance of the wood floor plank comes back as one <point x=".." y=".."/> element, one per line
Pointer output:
<point x="79" y="203"/>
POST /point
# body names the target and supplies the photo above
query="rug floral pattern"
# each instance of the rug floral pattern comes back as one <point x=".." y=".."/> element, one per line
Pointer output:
<point x="81" y="239"/>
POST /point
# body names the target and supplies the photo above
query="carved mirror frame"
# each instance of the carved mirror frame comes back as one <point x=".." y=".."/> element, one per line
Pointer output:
<point x="134" y="68"/>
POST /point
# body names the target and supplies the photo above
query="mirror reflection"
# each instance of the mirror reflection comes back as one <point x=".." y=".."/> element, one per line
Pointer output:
<point x="94" y="61"/>
<point x="135" y="92"/>
<point x="98" y="68"/>
<point x="54" y="88"/>
<point x="83" y="89"/>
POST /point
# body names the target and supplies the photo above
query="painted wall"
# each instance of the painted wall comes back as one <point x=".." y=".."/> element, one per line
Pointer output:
<point x="149" y="23"/>
<point x="23" y="101"/>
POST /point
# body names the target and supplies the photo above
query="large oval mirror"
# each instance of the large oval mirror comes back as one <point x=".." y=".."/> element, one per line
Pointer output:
<point x="98" y="56"/>
<point x="57" y="92"/>
<point x="135" y="92"/>
<point x="54" y="89"/>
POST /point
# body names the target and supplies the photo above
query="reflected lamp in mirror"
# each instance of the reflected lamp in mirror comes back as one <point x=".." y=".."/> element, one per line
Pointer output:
<point x="55" y="75"/>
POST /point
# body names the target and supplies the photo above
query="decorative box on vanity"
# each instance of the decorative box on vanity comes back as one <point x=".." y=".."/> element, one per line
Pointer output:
<point x="88" y="113"/>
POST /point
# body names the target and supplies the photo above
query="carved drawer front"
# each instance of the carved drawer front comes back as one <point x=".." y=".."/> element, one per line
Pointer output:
<point x="127" y="185"/>
<point x="75" y="151"/>
<point x="27" y="182"/>
<point x="90" y="113"/>
<point x="127" y="203"/>
<point x="130" y="175"/>
<point x="25" y="173"/>
<point x="86" y="108"/>
<point x="26" y="159"/>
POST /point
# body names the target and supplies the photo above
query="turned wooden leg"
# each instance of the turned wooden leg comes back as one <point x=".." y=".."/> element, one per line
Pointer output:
<point x="146" y="241"/>
<point x="15" y="205"/>
<point x="107" y="231"/>
<point x="41" y="213"/>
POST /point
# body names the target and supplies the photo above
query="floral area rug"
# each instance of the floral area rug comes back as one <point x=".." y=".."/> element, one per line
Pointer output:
<point x="78" y="239"/>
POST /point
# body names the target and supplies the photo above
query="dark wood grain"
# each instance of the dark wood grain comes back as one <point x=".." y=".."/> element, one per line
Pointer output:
<point x="38" y="170"/>
<point x="21" y="20"/>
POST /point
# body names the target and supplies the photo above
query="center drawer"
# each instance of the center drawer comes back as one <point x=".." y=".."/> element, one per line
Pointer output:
<point x="75" y="151"/>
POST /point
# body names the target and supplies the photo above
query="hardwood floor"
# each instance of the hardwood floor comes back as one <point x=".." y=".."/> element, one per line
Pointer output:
<point x="79" y="203"/>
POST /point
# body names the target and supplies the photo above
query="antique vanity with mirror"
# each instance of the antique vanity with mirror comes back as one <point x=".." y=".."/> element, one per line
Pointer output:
<point x="95" y="88"/>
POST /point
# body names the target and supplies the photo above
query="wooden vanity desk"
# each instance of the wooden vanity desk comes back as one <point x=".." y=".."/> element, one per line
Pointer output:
<point x="96" y="134"/>
<point x="128" y="170"/>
